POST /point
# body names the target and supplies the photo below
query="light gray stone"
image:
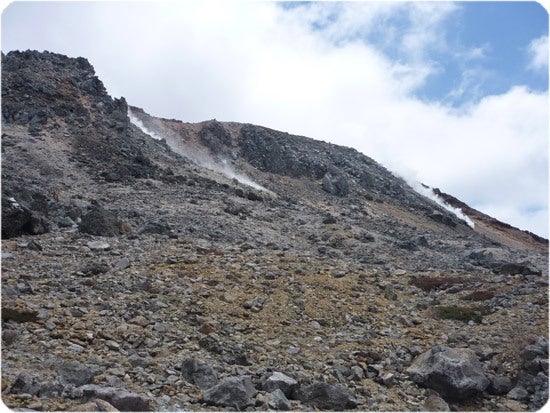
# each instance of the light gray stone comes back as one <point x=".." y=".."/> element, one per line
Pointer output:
<point x="73" y="372"/>
<point x="281" y="382"/>
<point x="120" y="398"/>
<point x="455" y="374"/>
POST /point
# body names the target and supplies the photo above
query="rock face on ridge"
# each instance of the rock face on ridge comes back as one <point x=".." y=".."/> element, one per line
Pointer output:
<point x="229" y="266"/>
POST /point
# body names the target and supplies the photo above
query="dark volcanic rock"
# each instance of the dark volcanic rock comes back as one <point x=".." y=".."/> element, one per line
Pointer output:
<point x="499" y="385"/>
<point x="199" y="373"/>
<point x="442" y="218"/>
<point x="514" y="268"/>
<point x="279" y="401"/>
<point x="456" y="374"/>
<point x="280" y="381"/>
<point x="26" y="383"/>
<point x="73" y="372"/>
<point x="100" y="221"/>
<point x="24" y="215"/>
<point x="272" y="151"/>
<point x="120" y="398"/>
<point x="235" y="392"/>
<point x="324" y="396"/>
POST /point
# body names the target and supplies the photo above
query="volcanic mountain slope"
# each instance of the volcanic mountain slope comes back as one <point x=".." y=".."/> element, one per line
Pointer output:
<point x="229" y="265"/>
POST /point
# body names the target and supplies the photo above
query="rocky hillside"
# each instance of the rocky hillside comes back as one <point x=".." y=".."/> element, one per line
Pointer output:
<point x="153" y="264"/>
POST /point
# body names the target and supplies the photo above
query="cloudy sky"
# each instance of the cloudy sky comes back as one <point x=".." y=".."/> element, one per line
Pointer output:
<point x="454" y="95"/>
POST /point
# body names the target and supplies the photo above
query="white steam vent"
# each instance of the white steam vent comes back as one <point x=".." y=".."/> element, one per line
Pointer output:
<point x="141" y="126"/>
<point x="201" y="158"/>
<point x="428" y="192"/>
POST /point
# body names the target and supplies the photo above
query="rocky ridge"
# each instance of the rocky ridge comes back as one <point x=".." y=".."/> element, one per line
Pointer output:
<point x="134" y="278"/>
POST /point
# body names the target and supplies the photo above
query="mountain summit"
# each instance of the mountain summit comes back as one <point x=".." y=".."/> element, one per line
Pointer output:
<point x="153" y="264"/>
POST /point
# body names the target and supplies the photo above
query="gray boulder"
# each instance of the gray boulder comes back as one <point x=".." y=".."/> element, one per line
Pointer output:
<point x="198" y="373"/>
<point x="278" y="401"/>
<point x="102" y="222"/>
<point x="324" y="396"/>
<point x="335" y="183"/>
<point x="236" y="392"/>
<point x="499" y="385"/>
<point x="73" y="372"/>
<point x="19" y="217"/>
<point x="280" y="381"/>
<point x="120" y="398"/>
<point x="455" y="374"/>
<point x="26" y="383"/>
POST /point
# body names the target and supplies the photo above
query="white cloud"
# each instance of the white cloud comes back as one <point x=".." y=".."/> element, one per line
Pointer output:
<point x="312" y="70"/>
<point x="538" y="54"/>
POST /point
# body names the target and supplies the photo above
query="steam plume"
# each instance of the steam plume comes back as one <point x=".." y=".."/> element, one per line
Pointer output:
<point x="201" y="158"/>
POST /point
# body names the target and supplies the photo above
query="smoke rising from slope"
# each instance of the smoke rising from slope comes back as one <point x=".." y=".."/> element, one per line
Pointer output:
<point x="428" y="192"/>
<point x="141" y="126"/>
<point x="199" y="157"/>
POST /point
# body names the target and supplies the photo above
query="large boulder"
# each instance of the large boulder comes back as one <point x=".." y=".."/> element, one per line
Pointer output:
<point x="21" y="216"/>
<point x="198" y="373"/>
<point x="235" y="392"/>
<point x="455" y="374"/>
<point x="120" y="398"/>
<point x="102" y="222"/>
<point x="74" y="372"/>
<point x="325" y="396"/>
<point x="280" y="381"/>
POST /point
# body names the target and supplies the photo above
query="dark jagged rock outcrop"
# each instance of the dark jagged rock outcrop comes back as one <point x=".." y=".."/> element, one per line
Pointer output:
<point x="51" y="96"/>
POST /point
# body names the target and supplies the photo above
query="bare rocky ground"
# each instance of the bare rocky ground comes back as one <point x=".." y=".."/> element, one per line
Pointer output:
<point x="135" y="279"/>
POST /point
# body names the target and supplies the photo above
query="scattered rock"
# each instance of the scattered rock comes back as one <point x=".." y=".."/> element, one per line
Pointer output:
<point x="327" y="280"/>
